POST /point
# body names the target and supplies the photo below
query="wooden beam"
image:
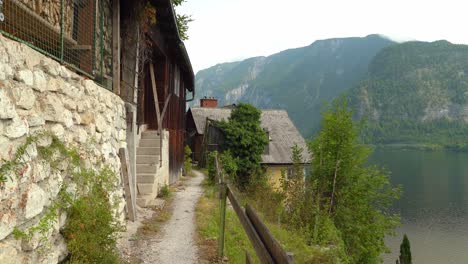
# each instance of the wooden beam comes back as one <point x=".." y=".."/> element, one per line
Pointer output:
<point x="275" y="249"/>
<point x="248" y="260"/>
<point x="256" y="241"/>
<point x="155" y="95"/>
<point x="163" y="114"/>
<point x="158" y="38"/>
<point x="81" y="47"/>
<point x="126" y="184"/>
<point x="116" y="45"/>
<point x="20" y="14"/>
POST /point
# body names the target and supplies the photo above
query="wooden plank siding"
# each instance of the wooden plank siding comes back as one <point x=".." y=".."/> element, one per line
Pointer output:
<point x="172" y="74"/>
<point x="174" y="121"/>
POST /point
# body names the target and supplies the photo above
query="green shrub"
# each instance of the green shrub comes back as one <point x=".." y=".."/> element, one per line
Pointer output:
<point x="91" y="229"/>
<point x="187" y="161"/>
<point x="164" y="192"/>
<point x="212" y="166"/>
<point x="246" y="140"/>
<point x="229" y="164"/>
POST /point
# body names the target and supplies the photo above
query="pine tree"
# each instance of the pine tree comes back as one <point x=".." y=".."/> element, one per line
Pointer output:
<point x="405" y="252"/>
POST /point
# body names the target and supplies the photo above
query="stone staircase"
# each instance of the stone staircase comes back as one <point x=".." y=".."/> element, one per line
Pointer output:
<point x="147" y="164"/>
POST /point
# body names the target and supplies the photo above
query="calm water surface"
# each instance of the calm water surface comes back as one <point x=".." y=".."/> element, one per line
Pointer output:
<point x="434" y="204"/>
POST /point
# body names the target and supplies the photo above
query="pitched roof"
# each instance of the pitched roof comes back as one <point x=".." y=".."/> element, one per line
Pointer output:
<point x="167" y="22"/>
<point x="283" y="134"/>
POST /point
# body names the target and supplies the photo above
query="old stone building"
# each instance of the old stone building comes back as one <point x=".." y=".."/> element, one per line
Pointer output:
<point x="104" y="81"/>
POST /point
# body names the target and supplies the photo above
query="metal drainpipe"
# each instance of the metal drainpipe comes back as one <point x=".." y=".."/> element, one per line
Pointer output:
<point x="101" y="14"/>
<point x="61" y="31"/>
<point x="193" y="97"/>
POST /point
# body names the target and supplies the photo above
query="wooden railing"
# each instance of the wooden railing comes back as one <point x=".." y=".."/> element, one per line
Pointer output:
<point x="266" y="247"/>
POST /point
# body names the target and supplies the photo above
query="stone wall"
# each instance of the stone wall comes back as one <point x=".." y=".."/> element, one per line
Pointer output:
<point x="38" y="94"/>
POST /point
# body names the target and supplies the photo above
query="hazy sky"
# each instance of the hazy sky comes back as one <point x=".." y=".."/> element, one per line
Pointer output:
<point x="230" y="30"/>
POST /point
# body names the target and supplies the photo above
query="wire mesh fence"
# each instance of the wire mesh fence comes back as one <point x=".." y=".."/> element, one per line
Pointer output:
<point x="77" y="33"/>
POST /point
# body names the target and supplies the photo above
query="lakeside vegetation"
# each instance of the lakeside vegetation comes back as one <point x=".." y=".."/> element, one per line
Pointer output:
<point x="415" y="93"/>
<point x="434" y="135"/>
<point x="339" y="213"/>
<point x="236" y="240"/>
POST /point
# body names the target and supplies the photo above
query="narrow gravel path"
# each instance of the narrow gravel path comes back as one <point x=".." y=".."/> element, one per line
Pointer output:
<point x="176" y="244"/>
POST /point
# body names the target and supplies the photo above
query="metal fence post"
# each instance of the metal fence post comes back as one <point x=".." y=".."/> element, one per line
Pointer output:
<point x="222" y="223"/>
<point x="222" y="210"/>
<point x="101" y="36"/>
<point x="62" y="33"/>
<point x="248" y="260"/>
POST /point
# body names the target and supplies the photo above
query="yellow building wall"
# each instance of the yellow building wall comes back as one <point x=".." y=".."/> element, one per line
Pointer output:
<point x="274" y="175"/>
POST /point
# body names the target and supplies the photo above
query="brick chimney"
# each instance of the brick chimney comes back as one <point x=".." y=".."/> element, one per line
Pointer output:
<point x="209" y="102"/>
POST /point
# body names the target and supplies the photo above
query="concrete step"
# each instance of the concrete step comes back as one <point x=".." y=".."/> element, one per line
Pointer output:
<point x="146" y="143"/>
<point x="150" y="201"/>
<point x="146" y="168"/>
<point x="147" y="159"/>
<point x="145" y="188"/>
<point x="145" y="178"/>
<point x="147" y="151"/>
<point x="150" y="134"/>
<point x="144" y="200"/>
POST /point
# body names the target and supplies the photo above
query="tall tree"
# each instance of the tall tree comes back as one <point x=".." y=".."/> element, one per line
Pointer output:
<point x="405" y="252"/>
<point x="245" y="140"/>
<point x="293" y="190"/>
<point x="354" y="196"/>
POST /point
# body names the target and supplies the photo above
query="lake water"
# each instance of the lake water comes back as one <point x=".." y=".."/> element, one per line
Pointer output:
<point x="434" y="204"/>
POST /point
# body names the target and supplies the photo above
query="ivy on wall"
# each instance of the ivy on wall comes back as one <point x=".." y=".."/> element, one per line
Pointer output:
<point x="85" y="196"/>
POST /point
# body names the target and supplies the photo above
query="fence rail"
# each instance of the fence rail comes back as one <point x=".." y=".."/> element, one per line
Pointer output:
<point x="266" y="247"/>
<point x="77" y="33"/>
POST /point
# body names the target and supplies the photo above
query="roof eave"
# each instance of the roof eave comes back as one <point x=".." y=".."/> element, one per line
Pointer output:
<point x="181" y="50"/>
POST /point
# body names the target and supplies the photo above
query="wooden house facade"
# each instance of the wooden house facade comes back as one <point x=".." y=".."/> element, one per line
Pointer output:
<point x="156" y="78"/>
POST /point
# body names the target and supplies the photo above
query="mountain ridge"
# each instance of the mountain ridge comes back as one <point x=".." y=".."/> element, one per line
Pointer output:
<point x="307" y="73"/>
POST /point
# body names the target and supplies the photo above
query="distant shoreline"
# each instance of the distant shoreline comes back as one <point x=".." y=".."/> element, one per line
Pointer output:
<point x="421" y="146"/>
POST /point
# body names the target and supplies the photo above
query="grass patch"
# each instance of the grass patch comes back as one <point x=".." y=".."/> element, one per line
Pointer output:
<point x="153" y="225"/>
<point x="236" y="240"/>
<point x="297" y="243"/>
<point x="160" y="216"/>
<point x="207" y="219"/>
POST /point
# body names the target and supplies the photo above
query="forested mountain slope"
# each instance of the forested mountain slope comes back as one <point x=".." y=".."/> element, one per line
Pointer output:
<point x="298" y="80"/>
<point x="416" y="92"/>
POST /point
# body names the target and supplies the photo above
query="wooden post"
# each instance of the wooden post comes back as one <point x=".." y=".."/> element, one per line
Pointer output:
<point x="158" y="112"/>
<point x="126" y="184"/>
<point x="222" y="210"/>
<point x="248" y="260"/>
<point x="116" y="46"/>
<point x="257" y="243"/>
<point x="155" y="94"/>
<point x="166" y="103"/>
<point x="222" y="223"/>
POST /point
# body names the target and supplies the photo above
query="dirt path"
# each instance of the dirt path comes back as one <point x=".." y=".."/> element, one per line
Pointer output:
<point x="176" y="243"/>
